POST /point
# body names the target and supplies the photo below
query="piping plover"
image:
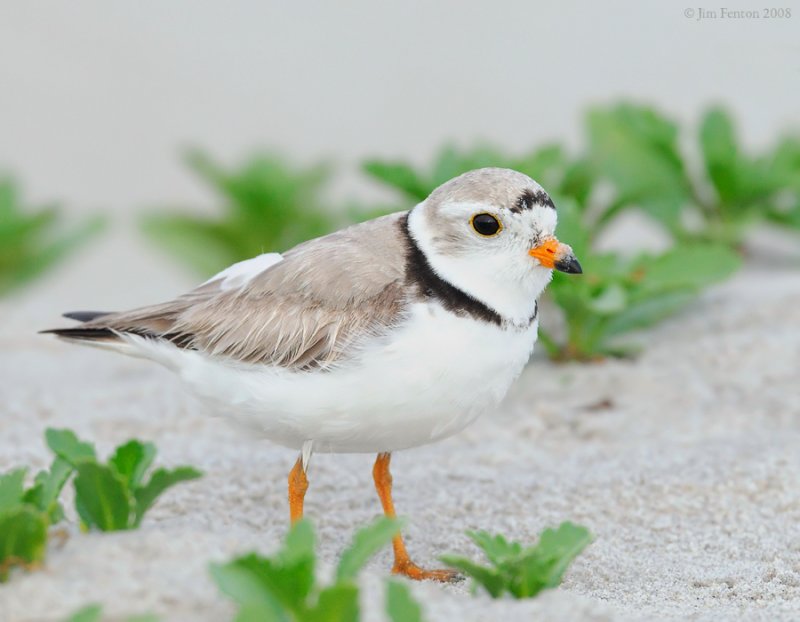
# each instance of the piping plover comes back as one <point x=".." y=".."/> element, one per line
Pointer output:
<point x="389" y="334"/>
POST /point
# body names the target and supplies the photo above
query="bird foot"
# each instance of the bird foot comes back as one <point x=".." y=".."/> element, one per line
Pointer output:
<point x="412" y="571"/>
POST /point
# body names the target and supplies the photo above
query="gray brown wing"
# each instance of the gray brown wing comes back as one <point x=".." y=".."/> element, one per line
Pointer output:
<point x="300" y="313"/>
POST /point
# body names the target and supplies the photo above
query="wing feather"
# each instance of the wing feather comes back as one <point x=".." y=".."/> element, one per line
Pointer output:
<point x="302" y="312"/>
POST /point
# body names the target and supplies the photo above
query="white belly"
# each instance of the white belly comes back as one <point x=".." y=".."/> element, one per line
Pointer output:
<point x="427" y="380"/>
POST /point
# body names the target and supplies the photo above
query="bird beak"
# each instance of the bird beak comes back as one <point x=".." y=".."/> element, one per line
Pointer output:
<point x="553" y="254"/>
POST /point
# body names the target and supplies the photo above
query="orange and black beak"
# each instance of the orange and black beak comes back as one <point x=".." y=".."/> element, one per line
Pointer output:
<point x="555" y="255"/>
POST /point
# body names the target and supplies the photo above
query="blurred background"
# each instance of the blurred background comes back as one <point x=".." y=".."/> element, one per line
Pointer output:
<point x="100" y="101"/>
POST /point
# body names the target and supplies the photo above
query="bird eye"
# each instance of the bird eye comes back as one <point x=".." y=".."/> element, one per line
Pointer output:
<point x="486" y="225"/>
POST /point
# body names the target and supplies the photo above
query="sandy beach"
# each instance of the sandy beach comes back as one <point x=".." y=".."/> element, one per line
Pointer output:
<point x="684" y="463"/>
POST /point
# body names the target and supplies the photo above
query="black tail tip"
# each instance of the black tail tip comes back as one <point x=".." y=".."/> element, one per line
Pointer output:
<point x="91" y="334"/>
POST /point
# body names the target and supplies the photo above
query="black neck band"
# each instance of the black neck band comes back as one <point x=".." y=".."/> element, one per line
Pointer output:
<point x="431" y="285"/>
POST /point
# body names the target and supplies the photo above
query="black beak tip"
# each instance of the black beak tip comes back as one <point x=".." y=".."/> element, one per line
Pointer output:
<point x="570" y="265"/>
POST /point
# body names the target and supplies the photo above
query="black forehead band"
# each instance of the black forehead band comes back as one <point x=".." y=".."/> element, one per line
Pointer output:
<point x="529" y="198"/>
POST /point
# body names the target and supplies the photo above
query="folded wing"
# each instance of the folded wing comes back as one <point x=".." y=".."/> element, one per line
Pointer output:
<point x="300" y="312"/>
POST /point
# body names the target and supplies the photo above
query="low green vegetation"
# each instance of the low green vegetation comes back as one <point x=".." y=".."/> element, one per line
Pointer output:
<point x="32" y="239"/>
<point x="619" y="293"/>
<point x="284" y="587"/>
<point x="108" y="497"/>
<point x="633" y="161"/>
<point x="114" y="495"/>
<point x="27" y="513"/>
<point x="637" y="149"/>
<point x="263" y="205"/>
<point x="521" y="571"/>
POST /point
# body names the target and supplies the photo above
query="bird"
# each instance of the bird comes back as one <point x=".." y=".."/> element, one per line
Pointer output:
<point x="386" y="335"/>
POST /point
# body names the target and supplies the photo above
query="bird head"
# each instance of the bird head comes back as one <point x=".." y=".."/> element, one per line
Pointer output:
<point x="491" y="233"/>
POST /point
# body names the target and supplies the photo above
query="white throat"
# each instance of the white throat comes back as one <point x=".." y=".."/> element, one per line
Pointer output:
<point x="504" y="281"/>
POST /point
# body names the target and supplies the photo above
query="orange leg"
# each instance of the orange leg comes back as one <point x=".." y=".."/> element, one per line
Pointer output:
<point x="298" y="484"/>
<point x="402" y="562"/>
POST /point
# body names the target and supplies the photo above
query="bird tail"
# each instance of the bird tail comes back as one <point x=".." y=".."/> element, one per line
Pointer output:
<point x="84" y="333"/>
<point x="109" y="335"/>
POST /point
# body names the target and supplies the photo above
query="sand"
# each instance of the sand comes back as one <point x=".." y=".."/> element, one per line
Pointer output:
<point x="684" y="463"/>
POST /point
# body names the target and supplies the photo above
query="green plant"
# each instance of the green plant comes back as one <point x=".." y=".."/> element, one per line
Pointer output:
<point x="108" y="497"/>
<point x="549" y="165"/>
<point x="400" y="605"/>
<point x="618" y="294"/>
<point x="284" y="587"/>
<point x="266" y="206"/>
<point x="114" y="496"/>
<point x="26" y="514"/>
<point x="521" y="571"/>
<point x="636" y="148"/>
<point x="31" y="239"/>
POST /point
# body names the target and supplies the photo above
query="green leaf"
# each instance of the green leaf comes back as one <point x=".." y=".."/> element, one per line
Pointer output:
<point x="523" y="572"/>
<point x="252" y="579"/>
<point x="571" y="228"/>
<point x="31" y="240"/>
<point x="65" y="443"/>
<point x="264" y="205"/>
<point x="132" y="461"/>
<point x="400" y="605"/>
<point x="689" y="266"/>
<point x="52" y="251"/>
<point x="23" y="536"/>
<point x="559" y="547"/>
<point x="489" y="578"/>
<point x="452" y="162"/>
<point x="546" y="165"/>
<point x="649" y="311"/>
<point x="578" y="182"/>
<point x="299" y="543"/>
<point x="398" y="175"/>
<point x="496" y="548"/>
<point x="366" y="542"/>
<point x="637" y="150"/>
<point x="784" y="164"/>
<point x="101" y="497"/>
<point x="160" y="481"/>
<point x="611" y="299"/>
<point x="11" y="489"/>
<point x="616" y="294"/>
<point x="238" y="581"/>
<point x="720" y="151"/>
<point x="202" y="244"/>
<point x="338" y="603"/>
<point x="47" y="488"/>
<point x="295" y="562"/>
<point x="449" y="163"/>
<point x="89" y="613"/>
<point x="254" y="612"/>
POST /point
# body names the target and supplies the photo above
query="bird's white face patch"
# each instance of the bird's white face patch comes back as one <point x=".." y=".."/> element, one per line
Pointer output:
<point x="497" y="269"/>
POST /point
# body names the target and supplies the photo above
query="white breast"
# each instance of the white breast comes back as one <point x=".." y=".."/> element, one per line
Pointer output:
<point x="424" y="381"/>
